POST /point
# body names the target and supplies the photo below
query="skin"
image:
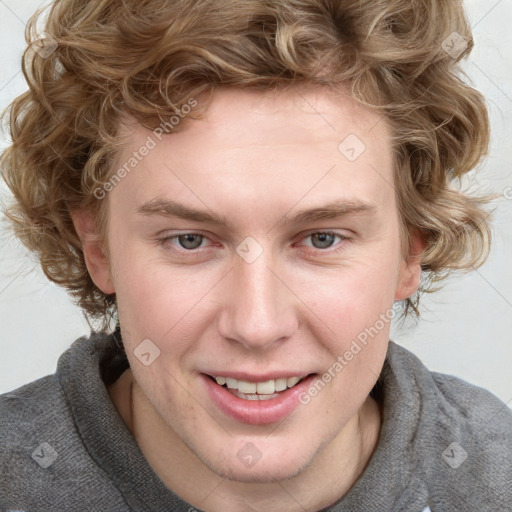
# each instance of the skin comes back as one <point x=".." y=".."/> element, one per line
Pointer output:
<point x="254" y="159"/>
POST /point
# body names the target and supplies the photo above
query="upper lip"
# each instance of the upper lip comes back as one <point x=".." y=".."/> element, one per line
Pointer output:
<point x="247" y="377"/>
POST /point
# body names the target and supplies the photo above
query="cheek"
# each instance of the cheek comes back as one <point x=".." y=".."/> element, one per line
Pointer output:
<point x="162" y="303"/>
<point x="358" y="313"/>
<point x="352" y="298"/>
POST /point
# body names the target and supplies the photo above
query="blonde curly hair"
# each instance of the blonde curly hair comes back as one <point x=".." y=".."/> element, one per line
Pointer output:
<point x="144" y="57"/>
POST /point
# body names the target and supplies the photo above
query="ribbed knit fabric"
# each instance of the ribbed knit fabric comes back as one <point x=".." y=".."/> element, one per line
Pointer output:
<point x="444" y="444"/>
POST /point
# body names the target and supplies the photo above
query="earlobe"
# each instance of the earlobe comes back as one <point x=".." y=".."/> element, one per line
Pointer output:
<point x="410" y="268"/>
<point x="95" y="256"/>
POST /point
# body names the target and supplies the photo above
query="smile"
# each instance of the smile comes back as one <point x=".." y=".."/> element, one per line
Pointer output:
<point x="257" y="403"/>
<point x="258" y="390"/>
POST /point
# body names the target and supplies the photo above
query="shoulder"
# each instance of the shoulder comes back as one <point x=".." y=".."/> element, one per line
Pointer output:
<point x="481" y="420"/>
<point x="464" y="439"/>
<point x="453" y="398"/>
<point x="474" y="432"/>
<point x="34" y="421"/>
<point x="33" y="407"/>
<point x="44" y="462"/>
<point x="473" y="405"/>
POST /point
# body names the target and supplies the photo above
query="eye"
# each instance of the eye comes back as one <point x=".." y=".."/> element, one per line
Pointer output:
<point x="324" y="239"/>
<point x="190" y="240"/>
<point x="186" y="241"/>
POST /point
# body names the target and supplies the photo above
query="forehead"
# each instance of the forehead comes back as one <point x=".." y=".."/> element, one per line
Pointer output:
<point x="287" y="140"/>
<point x="309" y="114"/>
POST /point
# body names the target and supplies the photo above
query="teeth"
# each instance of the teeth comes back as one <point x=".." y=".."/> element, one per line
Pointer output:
<point x="254" y="396"/>
<point x="290" y="382"/>
<point x="231" y="383"/>
<point x="281" y="384"/>
<point x="246" y="387"/>
<point x="268" y="387"/>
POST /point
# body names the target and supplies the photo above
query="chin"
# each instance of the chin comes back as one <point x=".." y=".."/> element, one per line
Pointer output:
<point x="270" y="469"/>
<point x="267" y="473"/>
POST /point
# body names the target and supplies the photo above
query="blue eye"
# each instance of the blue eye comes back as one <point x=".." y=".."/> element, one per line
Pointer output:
<point x="324" y="239"/>
<point x="190" y="240"/>
<point x="187" y="241"/>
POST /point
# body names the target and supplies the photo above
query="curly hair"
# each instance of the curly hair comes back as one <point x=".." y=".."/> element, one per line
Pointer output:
<point x="143" y="57"/>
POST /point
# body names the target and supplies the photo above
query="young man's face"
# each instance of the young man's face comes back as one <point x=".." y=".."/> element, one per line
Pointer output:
<point x="263" y="295"/>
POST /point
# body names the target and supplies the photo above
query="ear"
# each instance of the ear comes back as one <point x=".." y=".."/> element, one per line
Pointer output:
<point x="95" y="256"/>
<point x="410" y="268"/>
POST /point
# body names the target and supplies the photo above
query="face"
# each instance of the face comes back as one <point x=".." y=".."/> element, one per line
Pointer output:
<point x="253" y="247"/>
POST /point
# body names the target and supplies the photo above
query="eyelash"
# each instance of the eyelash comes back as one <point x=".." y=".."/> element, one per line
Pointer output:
<point x="165" y="241"/>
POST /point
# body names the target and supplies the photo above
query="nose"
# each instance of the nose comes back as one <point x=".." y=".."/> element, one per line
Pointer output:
<point x="258" y="307"/>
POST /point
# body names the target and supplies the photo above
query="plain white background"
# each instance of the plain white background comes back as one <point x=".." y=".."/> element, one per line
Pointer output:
<point x="465" y="329"/>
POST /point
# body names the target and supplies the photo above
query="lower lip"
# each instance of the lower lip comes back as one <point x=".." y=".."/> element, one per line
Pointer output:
<point x="257" y="412"/>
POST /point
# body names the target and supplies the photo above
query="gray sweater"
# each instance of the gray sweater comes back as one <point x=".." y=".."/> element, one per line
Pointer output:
<point x="445" y="445"/>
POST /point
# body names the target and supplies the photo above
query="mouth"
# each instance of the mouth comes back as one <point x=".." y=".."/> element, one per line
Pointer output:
<point x="257" y="402"/>
<point x="263" y="390"/>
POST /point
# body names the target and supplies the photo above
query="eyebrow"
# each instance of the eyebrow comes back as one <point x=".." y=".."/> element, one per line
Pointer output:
<point x="170" y="208"/>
